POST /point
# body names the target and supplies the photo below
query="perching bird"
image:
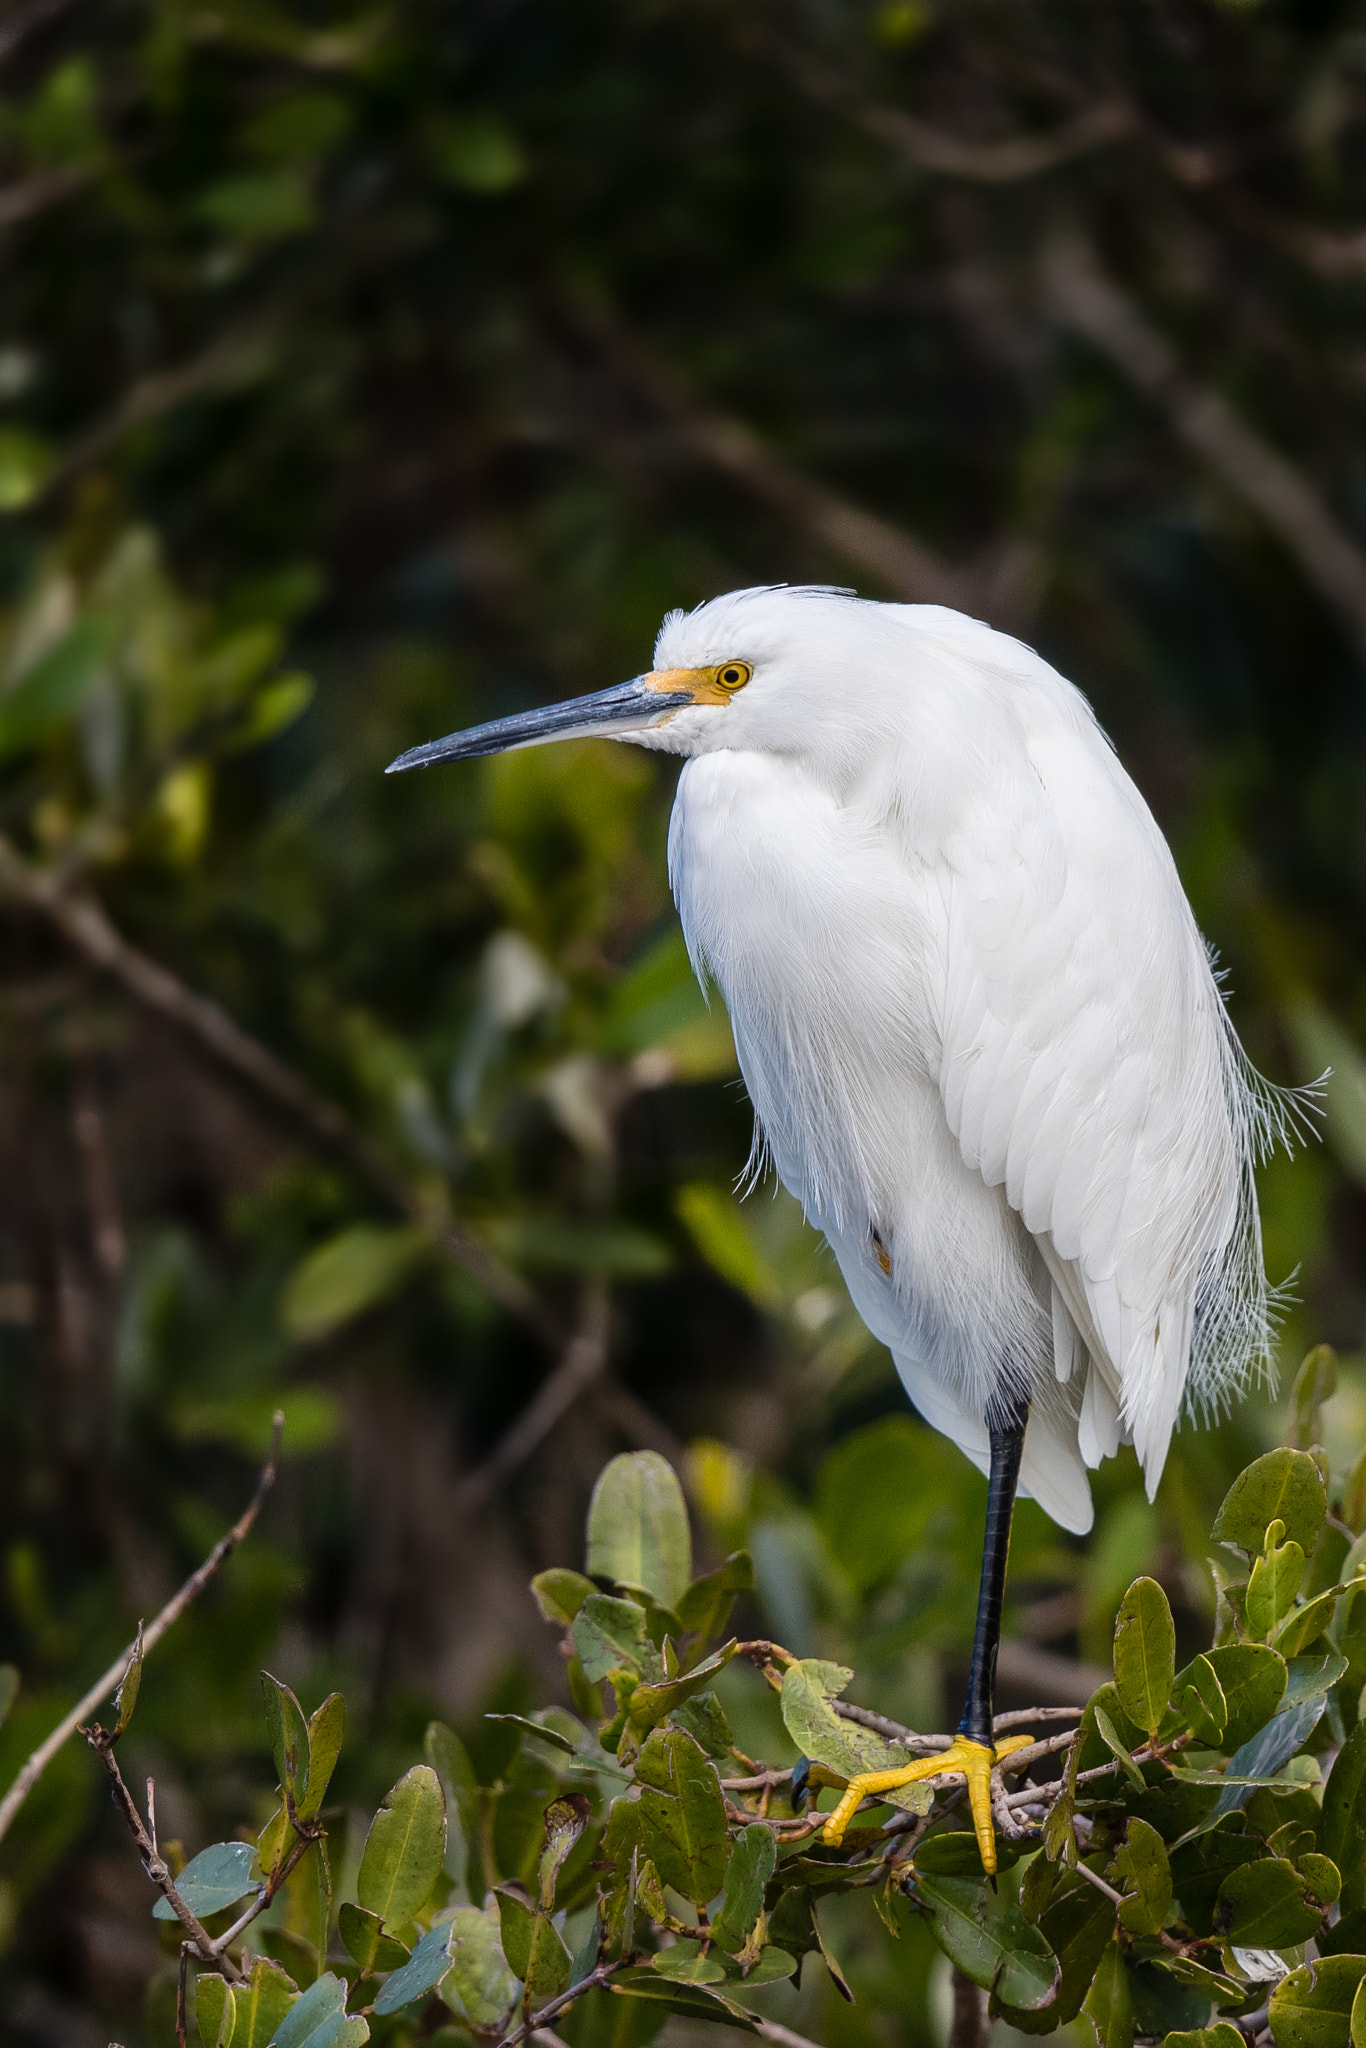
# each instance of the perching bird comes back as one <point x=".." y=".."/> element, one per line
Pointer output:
<point x="980" y="1030"/>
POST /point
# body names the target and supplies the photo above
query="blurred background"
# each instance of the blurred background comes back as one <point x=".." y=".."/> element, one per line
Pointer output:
<point x="367" y="370"/>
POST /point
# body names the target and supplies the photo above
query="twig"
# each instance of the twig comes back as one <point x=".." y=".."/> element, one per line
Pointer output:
<point x="153" y="1862"/>
<point x="84" y="924"/>
<point x="1083" y="298"/>
<point x="150" y="1636"/>
<point x="1020" y="1717"/>
<point x="1099" y="1883"/>
<point x="906" y="1738"/>
<point x="555" y="2006"/>
<point x="781" y="2036"/>
<point x="583" y="1363"/>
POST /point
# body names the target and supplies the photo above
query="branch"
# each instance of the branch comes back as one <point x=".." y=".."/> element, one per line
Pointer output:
<point x="780" y="2036"/>
<point x="895" y="558"/>
<point x="27" y="196"/>
<point x="583" y="1363"/>
<point x="150" y="1636"/>
<point x="1005" y="162"/>
<point x="1084" y="299"/>
<point x="555" y="2006"/>
<point x="85" y="925"/>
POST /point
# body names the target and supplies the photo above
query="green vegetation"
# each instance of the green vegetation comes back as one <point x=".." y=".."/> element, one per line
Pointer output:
<point x="366" y="370"/>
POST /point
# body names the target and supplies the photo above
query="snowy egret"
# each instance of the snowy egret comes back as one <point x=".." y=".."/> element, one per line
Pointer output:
<point x="980" y="1030"/>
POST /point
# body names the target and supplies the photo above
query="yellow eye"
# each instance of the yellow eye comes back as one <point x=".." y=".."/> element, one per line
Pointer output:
<point x="734" y="675"/>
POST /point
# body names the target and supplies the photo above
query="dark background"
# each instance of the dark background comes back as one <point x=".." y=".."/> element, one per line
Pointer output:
<point x="431" y="353"/>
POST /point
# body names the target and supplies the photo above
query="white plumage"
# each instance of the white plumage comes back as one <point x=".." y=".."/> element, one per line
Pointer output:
<point x="977" y="1021"/>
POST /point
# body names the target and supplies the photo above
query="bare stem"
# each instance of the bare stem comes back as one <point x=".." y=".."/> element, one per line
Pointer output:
<point x="110" y="1680"/>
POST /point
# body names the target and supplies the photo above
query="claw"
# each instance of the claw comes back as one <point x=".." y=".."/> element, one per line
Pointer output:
<point x="974" y="1761"/>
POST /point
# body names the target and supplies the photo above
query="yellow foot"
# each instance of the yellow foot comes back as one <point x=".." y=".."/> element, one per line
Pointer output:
<point x="972" y="1760"/>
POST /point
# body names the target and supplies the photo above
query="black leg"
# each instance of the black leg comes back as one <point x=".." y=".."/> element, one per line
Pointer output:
<point x="1006" y="1418"/>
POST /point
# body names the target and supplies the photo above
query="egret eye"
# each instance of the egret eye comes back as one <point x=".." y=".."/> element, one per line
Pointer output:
<point x="734" y="675"/>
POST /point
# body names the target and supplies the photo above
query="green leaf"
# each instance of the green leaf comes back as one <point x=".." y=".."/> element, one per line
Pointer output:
<point x="218" y="1876"/>
<point x="842" y="1746"/>
<point x="1145" y="1654"/>
<point x="1266" y="1753"/>
<point x="651" y="1704"/>
<point x="363" y="1938"/>
<point x="1143" y="1873"/>
<point x="288" y="1738"/>
<point x="1315" y="1382"/>
<point x="1274" y="1582"/>
<point x="774" y="1966"/>
<point x="272" y="709"/>
<point x="682" y="1814"/>
<point x="1078" y="1926"/>
<point x="1253" y="1681"/>
<point x="1312" y="2007"/>
<point x="311" y="2021"/>
<point x="618" y="1850"/>
<point x="705" y="1607"/>
<point x="1307" y="1677"/>
<point x="1264" y="1905"/>
<point x="876" y="1495"/>
<point x="261" y="2003"/>
<point x="752" y="1858"/>
<point x="126" y="1698"/>
<point x="685" y="1962"/>
<point x="560" y="1594"/>
<point x="1358" y="2020"/>
<point x="990" y="1940"/>
<point x="1304" y="1625"/>
<point x="1200" y="1701"/>
<point x="325" y="1730"/>
<point x="423" y="1971"/>
<point x="565" y="1820"/>
<point x="609" y="1635"/>
<point x="46" y="695"/>
<point x="716" y="1226"/>
<point x="1108" y="2004"/>
<point x="704" y="1719"/>
<point x="1117" y="1746"/>
<point x="612" y="1249"/>
<point x="404" y="1849"/>
<point x="1342" y="1831"/>
<point x="690" y="2001"/>
<point x="215" y="2011"/>
<point x="1284" y="1486"/>
<point x="531" y="1944"/>
<point x="1223" y="2034"/>
<point x="638" y="1526"/>
<point x="955" y="1854"/>
<point x="479" y="1987"/>
<point x="550" y="1736"/>
<point x="352" y="1272"/>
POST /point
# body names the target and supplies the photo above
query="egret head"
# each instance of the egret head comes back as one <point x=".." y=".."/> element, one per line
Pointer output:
<point x="758" y="668"/>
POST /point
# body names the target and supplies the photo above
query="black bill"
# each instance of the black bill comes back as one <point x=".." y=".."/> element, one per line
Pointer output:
<point x="626" y="707"/>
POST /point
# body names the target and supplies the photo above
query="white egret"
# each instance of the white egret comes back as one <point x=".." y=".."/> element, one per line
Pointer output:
<point x="980" y="1030"/>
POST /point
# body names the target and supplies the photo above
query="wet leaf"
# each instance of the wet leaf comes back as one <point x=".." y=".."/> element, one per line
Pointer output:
<point x="479" y="1987"/>
<point x="404" y="1849"/>
<point x="1283" y="1486"/>
<point x="217" y="1877"/>
<point x="990" y="1940"/>
<point x="682" y="1814"/>
<point x="422" y="1972"/>
<point x="1312" y="2007"/>
<point x="1145" y="1653"/>
<point x="638" y="1526"/>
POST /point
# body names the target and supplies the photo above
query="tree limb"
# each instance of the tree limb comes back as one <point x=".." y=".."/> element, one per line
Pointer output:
<point x="147" y="1638"/>
<point x="85" y="925"/>
<point x="1081" y="297"/>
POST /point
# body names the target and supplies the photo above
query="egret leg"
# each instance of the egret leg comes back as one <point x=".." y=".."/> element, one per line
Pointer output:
<point x="973" y="1751"/>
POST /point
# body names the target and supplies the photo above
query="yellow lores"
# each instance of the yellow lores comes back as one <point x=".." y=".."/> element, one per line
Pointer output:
<point x="971" y="1760"/>
<point x="699" y="685"/>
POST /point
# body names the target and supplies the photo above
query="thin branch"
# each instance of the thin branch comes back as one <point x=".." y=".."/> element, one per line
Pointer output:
<point x="1020" y="1717"/>
<point x="781" y="2036"/>
<point x="1006" y="161"/>
<point x="28" y="196"/>
<point x="85" y="925"/>
<point x="894" y="557"/>
<point x="198" y="1937"/>
<point x="1099" y="1882"/>
<point x="555" y="2006"/>
<point x="1081" y="297"/>
<point x="906" y="1738"/>
<point x="583" y="1364"/>
<point x="109" y="1682"/>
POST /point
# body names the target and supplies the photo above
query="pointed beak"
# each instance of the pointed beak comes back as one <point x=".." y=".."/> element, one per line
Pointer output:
<point x="627" y="707"/>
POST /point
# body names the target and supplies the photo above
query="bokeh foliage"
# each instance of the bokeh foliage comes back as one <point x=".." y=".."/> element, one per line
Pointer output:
<point x="430" y="355"/>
